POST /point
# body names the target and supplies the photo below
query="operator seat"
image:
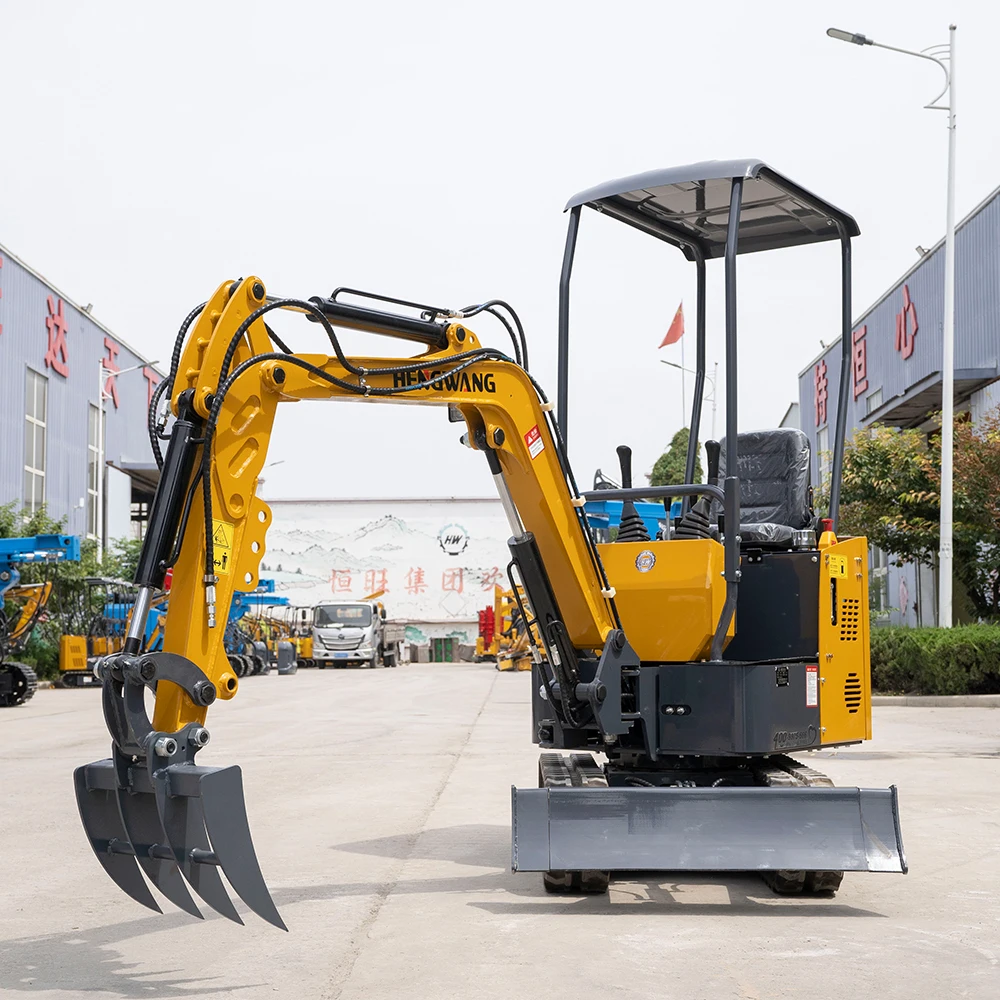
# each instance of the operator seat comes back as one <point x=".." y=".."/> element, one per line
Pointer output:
<point x="775" y="490"/>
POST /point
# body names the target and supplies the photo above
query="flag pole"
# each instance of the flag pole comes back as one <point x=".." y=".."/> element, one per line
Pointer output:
<point x="683" y="403"/>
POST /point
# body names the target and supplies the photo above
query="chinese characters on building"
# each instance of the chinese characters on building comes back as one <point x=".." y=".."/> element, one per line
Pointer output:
<point x="820" y="393"/>
<point x="57" y="355"/>
<point x="906" y="325"/>
<point x="859" y="361"/>
<point x="111" y="366"/>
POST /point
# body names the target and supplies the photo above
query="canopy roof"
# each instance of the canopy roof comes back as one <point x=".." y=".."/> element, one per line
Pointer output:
<point x="689" y="207"/>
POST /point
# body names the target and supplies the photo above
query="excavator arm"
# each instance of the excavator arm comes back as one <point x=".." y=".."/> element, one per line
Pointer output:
<point x="150" y="807"/>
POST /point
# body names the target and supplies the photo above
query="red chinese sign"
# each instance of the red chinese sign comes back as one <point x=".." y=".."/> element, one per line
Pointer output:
<point x="820" y="393"/>
<point x="112" y="367"/>
<point x="906" y="325"/>
<point x="375" y="580"/>
<point x="57" y="355"/>
<point x="859" y="361"/>
<point x="416" y="582"/>
<point x="340" y="581"/>
<point x="453" y="580"/>
<point x="491" y="578"/>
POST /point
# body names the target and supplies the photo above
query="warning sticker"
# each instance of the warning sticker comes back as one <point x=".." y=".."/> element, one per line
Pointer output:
<point x="222" y="546"/>
<point x="812" y="687"/>
<point x="838" y="565"/>
<point x="533" y="439"/>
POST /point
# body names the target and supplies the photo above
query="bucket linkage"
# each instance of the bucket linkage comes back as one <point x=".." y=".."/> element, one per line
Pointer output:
<point x="150" y="809"/>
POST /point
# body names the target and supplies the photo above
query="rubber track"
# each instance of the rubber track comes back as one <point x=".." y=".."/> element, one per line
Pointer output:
<point x="578" y="770"/>
<point x="786" y="772"/>
<point x="24" y="682"/>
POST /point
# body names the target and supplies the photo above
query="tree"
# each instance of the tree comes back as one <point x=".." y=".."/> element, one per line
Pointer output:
<point x="67" y="611"/>
<point x="890" y="492"/>
<point x="669" y="468"/>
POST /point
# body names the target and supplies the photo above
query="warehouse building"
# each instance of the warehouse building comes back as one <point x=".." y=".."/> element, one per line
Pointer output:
<point x="895" y="376"/>
<point x="51" y="452"/>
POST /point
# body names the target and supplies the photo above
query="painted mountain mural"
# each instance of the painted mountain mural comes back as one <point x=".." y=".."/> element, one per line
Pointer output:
<point x="437" y="560"/>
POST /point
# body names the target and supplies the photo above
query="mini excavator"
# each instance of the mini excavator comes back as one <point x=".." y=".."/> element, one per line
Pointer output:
<point x="692" y="664"/>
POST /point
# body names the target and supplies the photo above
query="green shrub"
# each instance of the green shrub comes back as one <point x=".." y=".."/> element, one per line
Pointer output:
<point x="960" y="660"/>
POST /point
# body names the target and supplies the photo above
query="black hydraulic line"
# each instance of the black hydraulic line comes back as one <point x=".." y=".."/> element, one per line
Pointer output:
<point x="192" y="490"/>
<point x="846" y="354"/>
<point x="562" y="384"/>
<point x="168" y="383"/>
<point x="282" y="346"/>
<point x="519" y="341"/>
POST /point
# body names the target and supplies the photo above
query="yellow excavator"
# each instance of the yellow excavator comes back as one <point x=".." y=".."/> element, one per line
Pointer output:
<point x="680" y="672"/>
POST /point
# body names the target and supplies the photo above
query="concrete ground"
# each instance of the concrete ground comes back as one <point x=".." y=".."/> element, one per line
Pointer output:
<point x="380" y="806"/>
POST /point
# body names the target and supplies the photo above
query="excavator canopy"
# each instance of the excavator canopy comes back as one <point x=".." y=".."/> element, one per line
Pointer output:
<point x="688" y="207"/>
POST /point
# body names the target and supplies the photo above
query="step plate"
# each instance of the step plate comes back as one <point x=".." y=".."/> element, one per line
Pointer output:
<point x="706" y="829"/>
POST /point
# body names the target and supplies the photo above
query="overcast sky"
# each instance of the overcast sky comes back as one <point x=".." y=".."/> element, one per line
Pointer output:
<point x="426" y="150"/>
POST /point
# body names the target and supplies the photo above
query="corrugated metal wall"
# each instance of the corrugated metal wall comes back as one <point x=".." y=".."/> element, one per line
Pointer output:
<point x="977" y="324"/>
<point x="911" y="592"/>
<point x="24" y="342"/>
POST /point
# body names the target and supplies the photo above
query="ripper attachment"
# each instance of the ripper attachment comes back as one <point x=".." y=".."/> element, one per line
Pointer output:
<point x="150" y="809"/>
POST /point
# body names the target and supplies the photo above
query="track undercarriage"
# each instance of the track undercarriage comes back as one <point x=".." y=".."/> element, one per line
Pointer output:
<point x="18" y="683"/>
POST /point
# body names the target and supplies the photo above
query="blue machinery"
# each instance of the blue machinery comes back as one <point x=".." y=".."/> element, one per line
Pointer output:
<point x="18" y="682"/>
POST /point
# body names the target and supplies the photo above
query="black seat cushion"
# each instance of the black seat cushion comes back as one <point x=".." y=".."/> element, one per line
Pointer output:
<point x="773" y="467"/>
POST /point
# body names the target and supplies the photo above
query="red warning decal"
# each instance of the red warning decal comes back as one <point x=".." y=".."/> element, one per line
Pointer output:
<point x="533" y="439"/>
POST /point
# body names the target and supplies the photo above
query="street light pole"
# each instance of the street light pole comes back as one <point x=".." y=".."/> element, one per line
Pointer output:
<point x="940" y="54"/>
<point x="711" y="378"/>
<point x="102" y="378"/>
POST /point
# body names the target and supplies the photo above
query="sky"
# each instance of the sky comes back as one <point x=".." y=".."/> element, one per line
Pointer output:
<point x="426" y="151"/>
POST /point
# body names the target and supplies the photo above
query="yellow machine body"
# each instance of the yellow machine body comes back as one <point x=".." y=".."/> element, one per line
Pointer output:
<point x="72" y="653"/>
<point x="669" y="595"/>
<point x="844" y="653"/>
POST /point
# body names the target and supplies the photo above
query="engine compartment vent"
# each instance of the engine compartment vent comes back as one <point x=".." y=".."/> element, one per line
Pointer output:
<point x="850" y="619"/>
<point x="852" y="693"/>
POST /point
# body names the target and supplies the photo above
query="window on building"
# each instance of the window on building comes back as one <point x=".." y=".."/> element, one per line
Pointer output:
<point x="878" y="582"/>
<point x="93" y="464"/>
<point x="35" y="408"/>
<point x="140" y="518"/>
<point x="823" y="456"/>
<point x="874" y="400"/>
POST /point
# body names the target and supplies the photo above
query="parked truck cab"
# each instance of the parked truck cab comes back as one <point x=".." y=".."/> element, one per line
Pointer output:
<point x="354" y="633"/>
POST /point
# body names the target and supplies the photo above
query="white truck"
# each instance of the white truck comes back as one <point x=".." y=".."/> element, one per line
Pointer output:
<point x="355" y="633"/>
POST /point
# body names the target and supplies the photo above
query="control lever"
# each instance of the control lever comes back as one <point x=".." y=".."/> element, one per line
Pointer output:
<point x="632" y="527"/>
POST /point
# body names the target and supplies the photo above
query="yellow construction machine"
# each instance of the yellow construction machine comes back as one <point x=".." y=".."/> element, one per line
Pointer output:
<point x="692" y="665"/>
<point x="512" y="644"/>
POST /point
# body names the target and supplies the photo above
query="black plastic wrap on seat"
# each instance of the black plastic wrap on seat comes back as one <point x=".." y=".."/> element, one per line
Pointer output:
<point x="773" y="467"/>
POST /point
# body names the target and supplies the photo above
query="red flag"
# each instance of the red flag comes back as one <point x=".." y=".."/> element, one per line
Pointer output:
<point x="676" y="330"/>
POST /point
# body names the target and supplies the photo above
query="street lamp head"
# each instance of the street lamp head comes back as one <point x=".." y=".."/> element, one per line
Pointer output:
<point x="847" y="36"/>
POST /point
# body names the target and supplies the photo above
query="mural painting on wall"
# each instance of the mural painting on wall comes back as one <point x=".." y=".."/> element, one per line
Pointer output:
<point x="427" y="569"/>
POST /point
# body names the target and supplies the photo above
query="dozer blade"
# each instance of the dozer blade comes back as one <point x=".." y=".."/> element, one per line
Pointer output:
<point x="706" y="829"/>
<point x="186" y="819"/>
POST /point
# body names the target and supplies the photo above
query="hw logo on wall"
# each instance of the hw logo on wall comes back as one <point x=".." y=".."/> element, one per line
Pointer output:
<point x="453" y="539"/>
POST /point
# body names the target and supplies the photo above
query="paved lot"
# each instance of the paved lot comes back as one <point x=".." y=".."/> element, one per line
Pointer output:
<point x="380" y="806"/>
